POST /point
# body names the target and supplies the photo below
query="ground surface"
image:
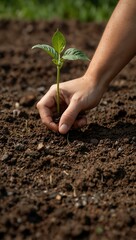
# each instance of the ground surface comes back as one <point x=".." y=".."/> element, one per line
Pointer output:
<point x="53" y="187"/>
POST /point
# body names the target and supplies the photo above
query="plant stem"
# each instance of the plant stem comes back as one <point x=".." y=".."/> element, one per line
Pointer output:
<point x="58" y="93"/>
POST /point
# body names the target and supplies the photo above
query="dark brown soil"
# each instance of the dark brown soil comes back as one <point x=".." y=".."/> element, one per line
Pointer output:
<point x="76" y="187"/>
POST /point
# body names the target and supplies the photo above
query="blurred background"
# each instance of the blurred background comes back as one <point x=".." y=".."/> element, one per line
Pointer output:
<point x="82" y="10"/>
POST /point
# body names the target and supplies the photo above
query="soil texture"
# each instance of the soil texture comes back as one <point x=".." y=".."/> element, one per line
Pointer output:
<point x="81" y="186"/>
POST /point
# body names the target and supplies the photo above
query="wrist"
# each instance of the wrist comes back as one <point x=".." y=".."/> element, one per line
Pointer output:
<point x="97" y="79"/>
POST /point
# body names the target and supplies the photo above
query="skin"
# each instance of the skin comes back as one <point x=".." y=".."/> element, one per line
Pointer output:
<point x="116" y="48"/>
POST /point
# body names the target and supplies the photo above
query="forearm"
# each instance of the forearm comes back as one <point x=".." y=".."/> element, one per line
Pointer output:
<point x="117" y="45"/>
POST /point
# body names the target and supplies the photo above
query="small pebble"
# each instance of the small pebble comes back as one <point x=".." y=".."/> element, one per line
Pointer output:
<point x="45" y="191"/>
<point x="17" y="105"/>
<point x="119" y="149"/>
<point x="78" y="205"/>
<point x="19" y="147"/>
<point x="48" y="147"/>
<point x="10" y="193"/>
<point x="58" y="197"/>
<point x="84" y="200"/>
<point x="105" y="102"/>
<point x="5" y="157"/>
<point x="116" y="143"/>
<point x="28" y="100"/>
<point x="41" y="89"/>
<point x="19" y="220"/>
<point x="40" y="146"/>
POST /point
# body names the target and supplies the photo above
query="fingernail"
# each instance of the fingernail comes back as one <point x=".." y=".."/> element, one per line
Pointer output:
<point x="63" y="128"/>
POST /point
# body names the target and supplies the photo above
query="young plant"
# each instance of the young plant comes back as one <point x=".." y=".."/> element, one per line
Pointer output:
<point x="56" y="51"/>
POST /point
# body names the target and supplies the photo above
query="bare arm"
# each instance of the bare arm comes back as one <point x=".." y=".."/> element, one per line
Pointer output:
<point x="118" y="43"/>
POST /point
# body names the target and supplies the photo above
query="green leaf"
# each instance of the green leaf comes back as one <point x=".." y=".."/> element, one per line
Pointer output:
<point x="74" y="54"/>
<point x="58" y="41"/>
<point x="50" y="50"/>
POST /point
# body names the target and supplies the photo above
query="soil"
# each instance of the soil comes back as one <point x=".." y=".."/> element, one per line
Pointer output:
<point x="73" y="187"/>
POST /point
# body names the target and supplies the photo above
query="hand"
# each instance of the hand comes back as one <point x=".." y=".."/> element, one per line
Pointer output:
<point x="76" y="96"/>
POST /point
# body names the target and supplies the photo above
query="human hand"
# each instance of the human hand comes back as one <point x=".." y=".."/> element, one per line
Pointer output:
<point x="76" y="96"/>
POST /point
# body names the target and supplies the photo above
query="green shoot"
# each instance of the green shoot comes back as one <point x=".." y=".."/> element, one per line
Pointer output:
<point x="56" y="51"/>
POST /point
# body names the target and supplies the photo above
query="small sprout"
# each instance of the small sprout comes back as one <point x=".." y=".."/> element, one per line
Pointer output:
<point x="56" y="51"/>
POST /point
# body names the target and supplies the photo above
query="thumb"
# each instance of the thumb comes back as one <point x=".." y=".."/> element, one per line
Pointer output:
<point x="68" y="117"/>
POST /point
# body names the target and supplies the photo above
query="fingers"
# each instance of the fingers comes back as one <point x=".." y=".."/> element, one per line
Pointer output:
<point x="80" y="122"/>
<point x="69" y="116"/>
<point x="70" y="108"/>
<point x="46" y="117"/>
<point x="46" y="108"/>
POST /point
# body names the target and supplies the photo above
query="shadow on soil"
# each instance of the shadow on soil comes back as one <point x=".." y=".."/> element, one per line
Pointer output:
<point x="95" y="131"/>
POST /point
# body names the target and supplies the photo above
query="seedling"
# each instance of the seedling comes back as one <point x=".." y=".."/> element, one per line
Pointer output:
<point x="56" y="51"/>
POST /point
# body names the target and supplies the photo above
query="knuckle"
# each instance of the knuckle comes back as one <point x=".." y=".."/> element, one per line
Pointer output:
<point x="53" y="87"/>
<point x="38" y="105"/>
<point x="77" y="97"/>
<point x="78" y="101"/>
<point x="43" y="121"/>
